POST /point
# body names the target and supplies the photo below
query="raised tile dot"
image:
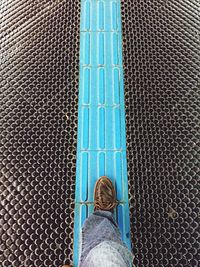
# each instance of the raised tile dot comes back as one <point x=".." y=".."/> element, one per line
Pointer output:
<point x="116" y="86"/>
<point x="101" y="164"/>
<point x="115" y="49"/>
<point x="101" y="129"/>
<point x="101" y="85"/>
<point x="84" y="176"/>
<point x="87" y="15"/>
<point x="118" y="175"/>
<point x="114" y="16"/>
<point x="101" y="49"/>
<point x="101" y="15"/>
<point x="117" y="125"/>
<point x="86" y="86"/>
<point x="86" y="51"/>
<point x="85" y="128"/>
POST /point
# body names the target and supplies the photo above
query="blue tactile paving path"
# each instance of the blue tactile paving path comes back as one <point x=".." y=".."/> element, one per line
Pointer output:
<point x="101" y="148"/>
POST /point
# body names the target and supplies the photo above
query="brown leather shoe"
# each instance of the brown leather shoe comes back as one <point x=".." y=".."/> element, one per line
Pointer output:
<point x="104" y="195"/>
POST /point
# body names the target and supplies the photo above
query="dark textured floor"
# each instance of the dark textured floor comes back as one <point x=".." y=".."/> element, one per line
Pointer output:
<point x="38" y="125"/>
<point x="162" y="71"/>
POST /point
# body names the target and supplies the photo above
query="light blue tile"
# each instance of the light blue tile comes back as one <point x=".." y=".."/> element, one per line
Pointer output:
<point x="101" y="129"/>
<point x="101" y="86"/>
<point x="101" y="164"/>
<point x="86" y="86"/>
<point x="101" y="146"/>
<point x="114" y="16"/>
<point x="116" y="86"/>
<point x="85" y="115"/>
<point x="87" y="15"/>
<point x="101" y="15"/>
<point x="84" y="176"/>
<point x="101" y="48"/>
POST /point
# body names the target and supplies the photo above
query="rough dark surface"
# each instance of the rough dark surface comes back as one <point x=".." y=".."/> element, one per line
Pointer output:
<point x="162" y="67"/>
<point x="38" y="126"/>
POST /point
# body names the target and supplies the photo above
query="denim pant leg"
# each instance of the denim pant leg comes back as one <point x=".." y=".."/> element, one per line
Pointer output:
<point x="99" y="227"/>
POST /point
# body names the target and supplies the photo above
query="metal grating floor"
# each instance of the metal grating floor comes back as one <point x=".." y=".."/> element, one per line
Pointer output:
<point x="162" y="92"/>
<point x="38" y="120"/>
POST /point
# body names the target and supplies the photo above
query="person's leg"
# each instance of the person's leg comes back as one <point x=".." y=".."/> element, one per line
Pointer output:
<point x="100" y="233"/>
<point x="99" y="227"/>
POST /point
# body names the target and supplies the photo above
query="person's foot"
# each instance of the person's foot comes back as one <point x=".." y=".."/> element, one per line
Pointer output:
<point x="104" y="195"/>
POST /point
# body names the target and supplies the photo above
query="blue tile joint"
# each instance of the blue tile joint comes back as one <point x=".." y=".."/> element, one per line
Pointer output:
<point x="101" y="148"/>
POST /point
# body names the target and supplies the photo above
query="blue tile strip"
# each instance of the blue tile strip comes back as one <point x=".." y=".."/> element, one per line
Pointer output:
<point x="101" y="148"/>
